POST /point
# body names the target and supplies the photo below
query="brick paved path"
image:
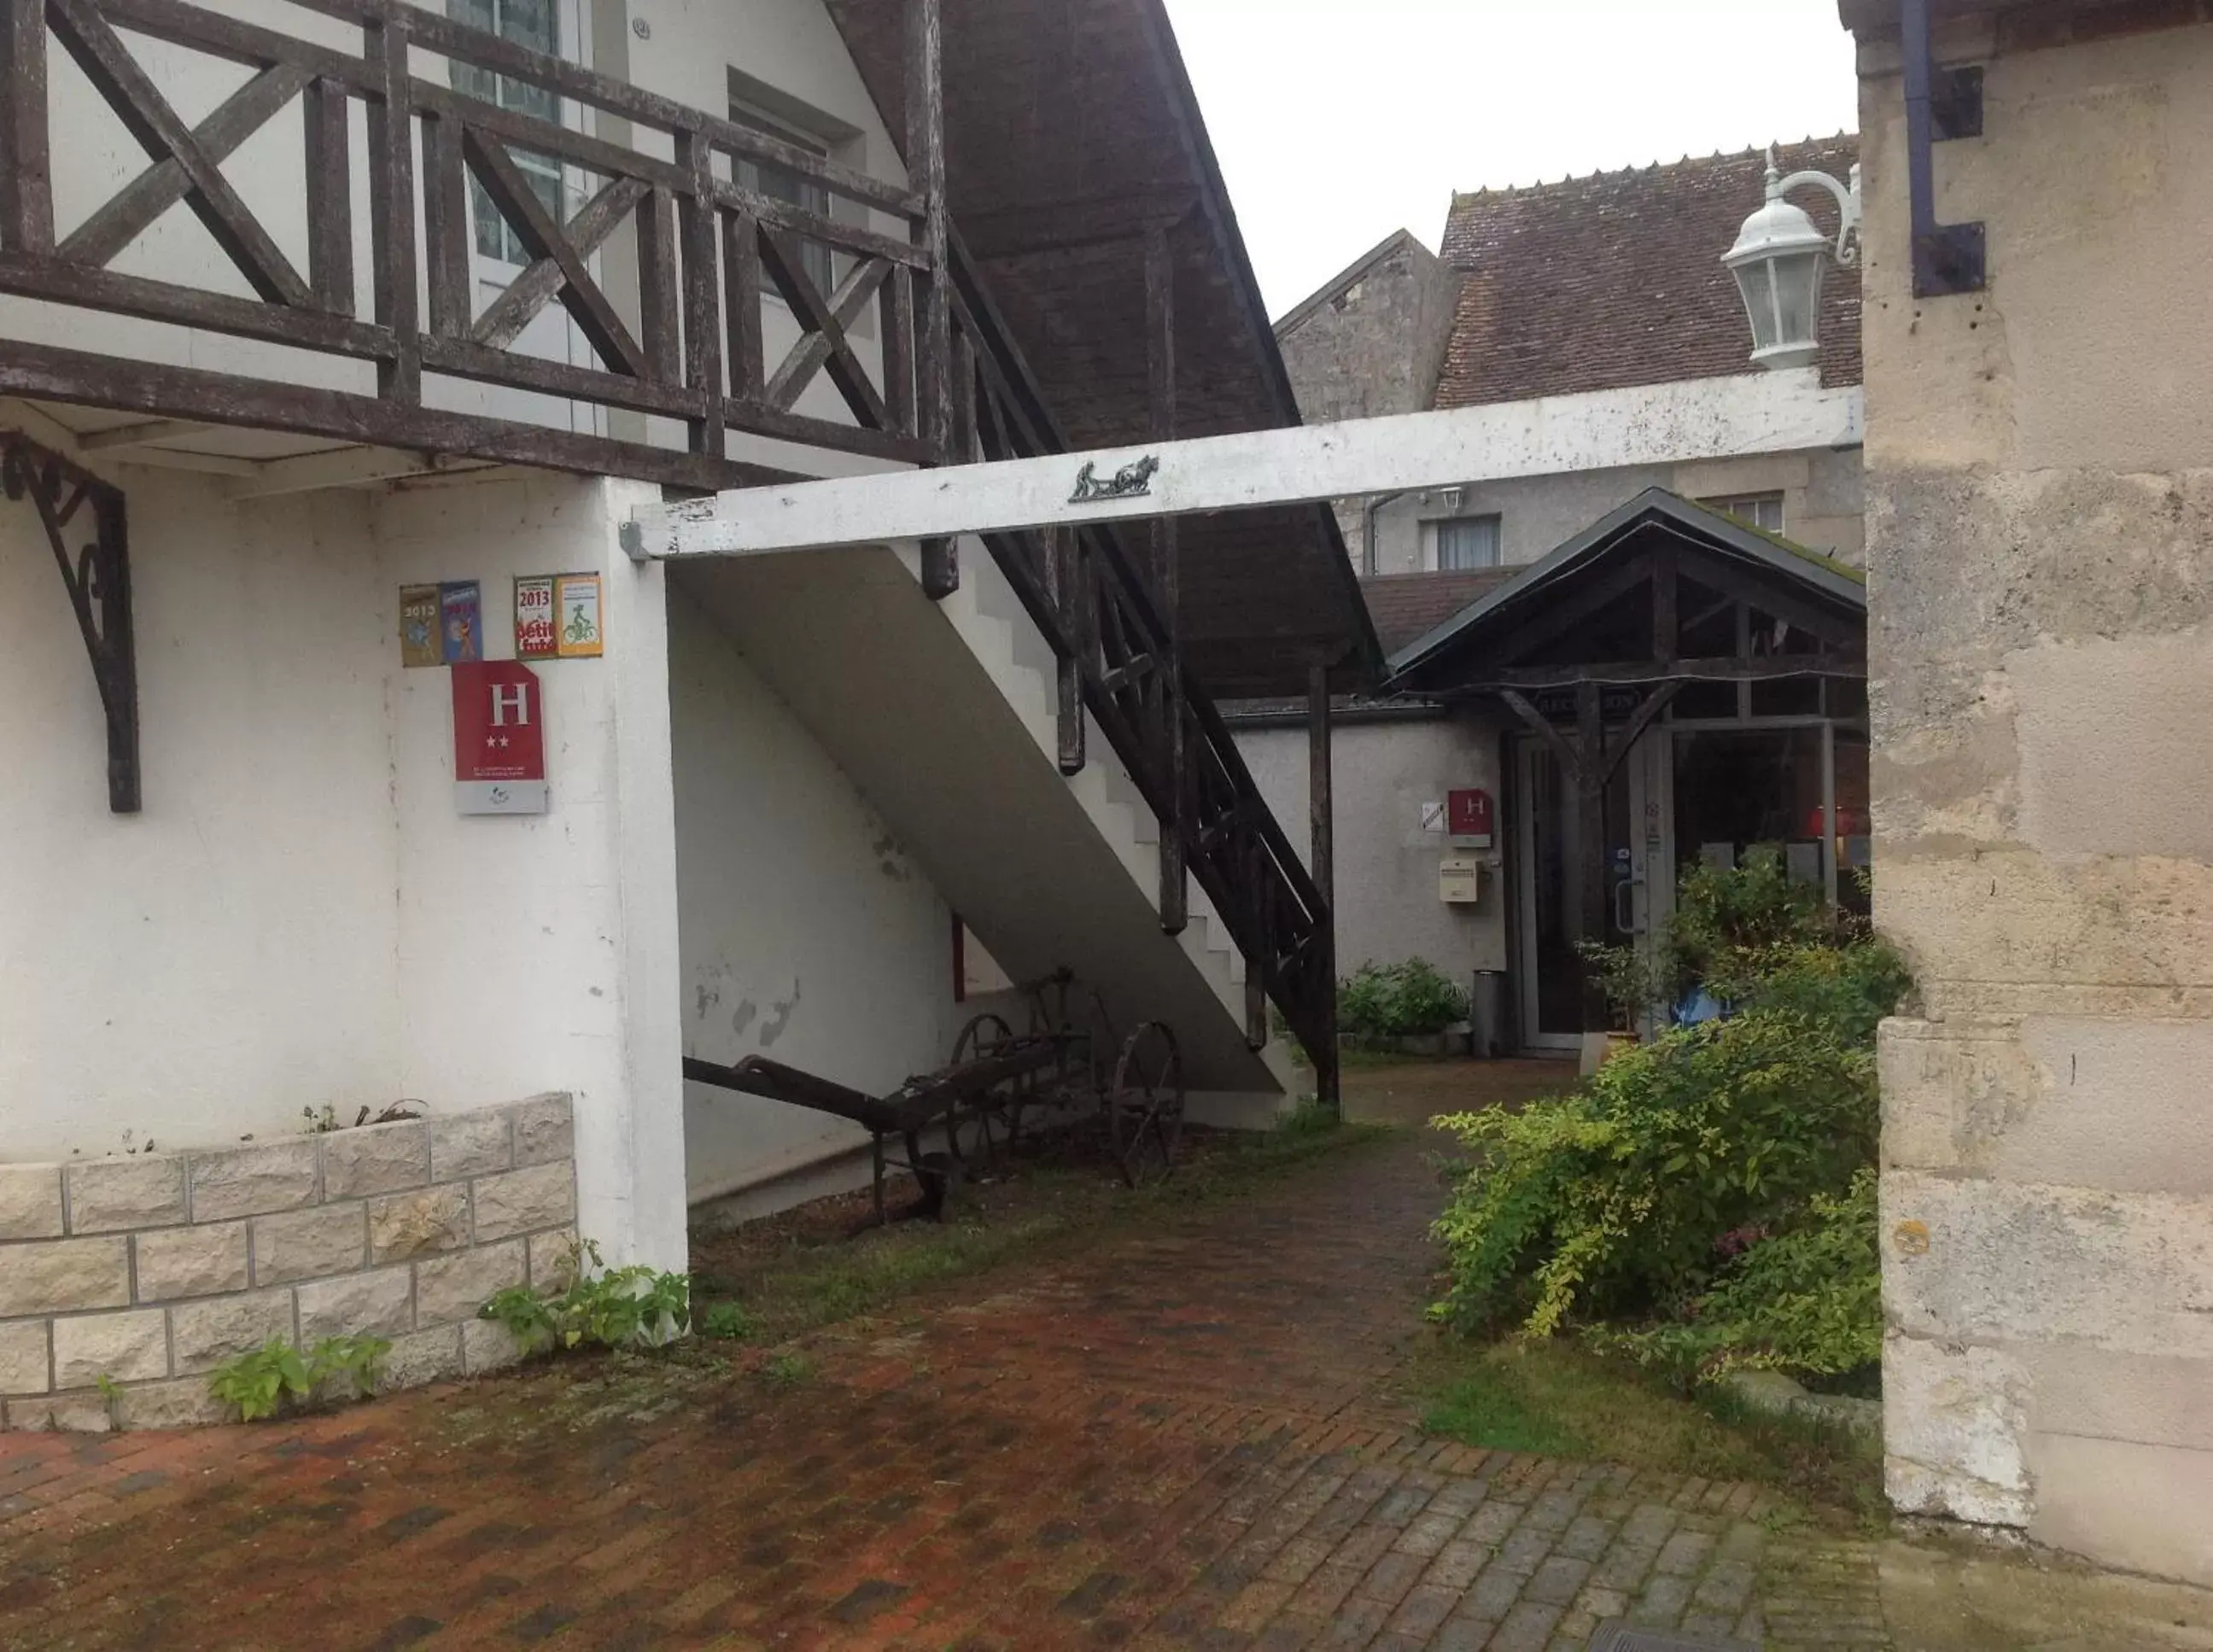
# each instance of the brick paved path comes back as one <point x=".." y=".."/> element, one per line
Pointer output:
<point x="1186" y="1437"/>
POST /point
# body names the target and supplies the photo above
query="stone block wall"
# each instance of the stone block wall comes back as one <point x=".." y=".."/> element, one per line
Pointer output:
<point x="2040" y="489"/>
<point x="152" y="1270"/>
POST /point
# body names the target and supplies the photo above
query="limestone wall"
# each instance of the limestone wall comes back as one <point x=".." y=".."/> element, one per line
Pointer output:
<point x="151" y="1270"/>
<point x="2039" y="483"/>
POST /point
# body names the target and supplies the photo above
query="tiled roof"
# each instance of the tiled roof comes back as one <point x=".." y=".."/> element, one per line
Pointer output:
<point x="1404" y="607"/>
<point x="1615" y="280"/>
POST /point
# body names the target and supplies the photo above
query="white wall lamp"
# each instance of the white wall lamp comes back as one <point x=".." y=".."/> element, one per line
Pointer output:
<point x="1779" y="259"/>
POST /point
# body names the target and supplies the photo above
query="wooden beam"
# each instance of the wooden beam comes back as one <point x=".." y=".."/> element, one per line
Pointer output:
<point x="1161" y="378"/>
<point x="1630" y="732"/>
<point x="44" y="373"/>
<point x="1667" y="603"/>
<point x="26" y="184"/>
<point x="1570" y="759"/>
<point x="1070" y="577"/>
<point x="1766" y="668"/>
<point x="391" y="208"/>
<point x="1586" y="862"/>
<point x="933" y="344"/>
<point x="1300" y="464"/>
<point x="1322" y="804"/>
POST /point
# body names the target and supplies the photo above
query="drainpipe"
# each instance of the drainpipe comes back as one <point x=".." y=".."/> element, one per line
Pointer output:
<point x="1367" y="527"/>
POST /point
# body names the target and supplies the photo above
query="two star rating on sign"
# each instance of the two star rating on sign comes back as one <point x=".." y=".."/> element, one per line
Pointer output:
<point x="492" y="741"/>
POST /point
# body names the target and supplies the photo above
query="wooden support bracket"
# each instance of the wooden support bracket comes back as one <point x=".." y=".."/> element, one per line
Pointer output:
<point x="69" y="501"/>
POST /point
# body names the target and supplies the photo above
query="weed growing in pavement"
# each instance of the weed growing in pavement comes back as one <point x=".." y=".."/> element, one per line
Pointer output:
<point x="726" y="1320"/>
<point x="277" y="1375"/>
<point x="787" y="1370"/>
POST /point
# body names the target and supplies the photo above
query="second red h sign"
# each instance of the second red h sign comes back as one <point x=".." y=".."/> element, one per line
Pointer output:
<point x="499" y="739"/>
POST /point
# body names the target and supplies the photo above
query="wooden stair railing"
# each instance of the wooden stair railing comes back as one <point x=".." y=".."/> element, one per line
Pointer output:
<point x="1082" y="587"/>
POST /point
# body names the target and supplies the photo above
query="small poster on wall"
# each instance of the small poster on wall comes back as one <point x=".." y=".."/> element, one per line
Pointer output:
<point x="576" y="607"/>
<point x="461" y="621"/>
<point x="536" y="635"/>
<point x="419" y="626"/>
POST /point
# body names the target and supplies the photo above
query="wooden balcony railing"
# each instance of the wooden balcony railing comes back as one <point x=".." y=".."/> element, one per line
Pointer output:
<point x="1086" y="594"/>
<point x="699" y="247"/>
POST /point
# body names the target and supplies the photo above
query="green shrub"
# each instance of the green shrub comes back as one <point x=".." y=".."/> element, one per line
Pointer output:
<point x="1404" y="1000"/>
<point x="277" y="1375"/>
<point x="618" y="1308"/>
<point x="727" y="1320"/>
<point x="1612" y="1197"/>
<point x="1807" y="1302"/>
<point x="1630" y="1195"/>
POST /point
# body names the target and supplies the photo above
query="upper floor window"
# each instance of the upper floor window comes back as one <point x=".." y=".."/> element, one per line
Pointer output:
<point x="782" y="183"/>
<point x="1467" y="542"/>
<point x="532" y="23"/>
<point x="1760" y="510"/>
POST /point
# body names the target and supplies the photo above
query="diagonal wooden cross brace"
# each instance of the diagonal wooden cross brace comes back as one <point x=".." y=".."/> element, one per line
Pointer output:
<point x="109" y="65"/>
<point x="546" y="241"/>
<point x="824" y="344"/>
<point x="503" y="323"/>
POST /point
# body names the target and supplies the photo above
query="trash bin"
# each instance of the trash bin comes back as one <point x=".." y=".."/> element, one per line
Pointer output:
<point x="1486" y="1002"/>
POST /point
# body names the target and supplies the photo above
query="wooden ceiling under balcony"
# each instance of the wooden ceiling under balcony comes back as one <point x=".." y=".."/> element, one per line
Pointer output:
<point x="1071" y="131"/>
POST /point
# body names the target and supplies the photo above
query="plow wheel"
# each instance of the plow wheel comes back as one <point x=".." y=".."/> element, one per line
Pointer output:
<point x="979" y="1131"/>
<point x="1144" y="1104"/>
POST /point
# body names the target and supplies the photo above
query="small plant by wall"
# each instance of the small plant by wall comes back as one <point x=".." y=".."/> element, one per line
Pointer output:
<point x="602" y="1308"/>
<point x="276" y="1376"/>
<point x="1381" y="1002"/>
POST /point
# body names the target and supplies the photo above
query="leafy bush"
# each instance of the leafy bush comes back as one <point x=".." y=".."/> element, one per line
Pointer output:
<point x="1405" y="1000"/>
<point x="1630" y="1195"/>
<point x="277" y="1374"/>
<point x="1612" y="1197"/>
<point x="620" y="1307"/>
<point x="1752" y="932"/>
<point x="1808" y="1301"/>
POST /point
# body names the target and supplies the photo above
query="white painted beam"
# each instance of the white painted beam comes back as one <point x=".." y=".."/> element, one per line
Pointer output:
<point x="1712" y="418"/>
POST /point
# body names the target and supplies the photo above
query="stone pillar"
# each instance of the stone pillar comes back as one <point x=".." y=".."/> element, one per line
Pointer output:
<point x="2039" y="477"/>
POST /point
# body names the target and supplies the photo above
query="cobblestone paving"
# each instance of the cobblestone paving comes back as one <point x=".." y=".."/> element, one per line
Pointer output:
<point x="1185" y="1437"/>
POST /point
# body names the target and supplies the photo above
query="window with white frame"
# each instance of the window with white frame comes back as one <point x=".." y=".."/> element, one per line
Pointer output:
<point x="782" y="183"/>
<point x="1760" y="510"/>
<point x="536" y="24"/>
<point x="1467" y="542"/>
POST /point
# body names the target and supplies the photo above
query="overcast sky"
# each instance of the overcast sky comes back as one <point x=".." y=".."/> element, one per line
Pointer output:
<point x="1339" y="121"/>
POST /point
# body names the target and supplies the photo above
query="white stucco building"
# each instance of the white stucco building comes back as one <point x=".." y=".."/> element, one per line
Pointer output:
<point x="360" y="303"/>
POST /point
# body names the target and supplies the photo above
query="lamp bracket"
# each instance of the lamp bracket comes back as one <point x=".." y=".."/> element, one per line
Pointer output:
<point x="1847" y="199"/>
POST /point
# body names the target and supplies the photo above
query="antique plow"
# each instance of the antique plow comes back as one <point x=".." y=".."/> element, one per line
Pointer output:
<point x="996" y="1076"/>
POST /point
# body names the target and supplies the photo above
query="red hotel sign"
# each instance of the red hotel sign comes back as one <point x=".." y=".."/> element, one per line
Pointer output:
<point x="499" y="739"/>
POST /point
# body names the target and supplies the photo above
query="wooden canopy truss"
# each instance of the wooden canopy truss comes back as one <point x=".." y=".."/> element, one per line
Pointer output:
<point x="1662" y="596"/>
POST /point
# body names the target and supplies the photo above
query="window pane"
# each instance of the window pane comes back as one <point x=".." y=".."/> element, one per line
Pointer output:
<point x="1798" y="294"/>
<point x="1758" y="302"/>
<point x="532" y="23"/>
<point x="1468" y="542"/>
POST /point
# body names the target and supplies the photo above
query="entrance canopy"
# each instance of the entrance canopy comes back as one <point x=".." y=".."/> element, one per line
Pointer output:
<point x="1663" y="607"/>
<point x="1661" y="593"/>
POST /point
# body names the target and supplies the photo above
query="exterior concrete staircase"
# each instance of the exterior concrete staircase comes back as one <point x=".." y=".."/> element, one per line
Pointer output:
<point x="945" y="715"/>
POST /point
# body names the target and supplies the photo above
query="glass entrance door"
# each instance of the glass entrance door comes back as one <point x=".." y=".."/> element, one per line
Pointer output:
<point x="1639" y="852"/>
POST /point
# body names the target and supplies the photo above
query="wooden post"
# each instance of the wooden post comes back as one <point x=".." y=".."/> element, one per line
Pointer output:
<point x="1586" y="867"/>
<point x="707" y="429"/>
<point x="392" y="204"/>
<point x="1324" y="867"/>
<point x="1667" y="615"/>
<point x="329" y="196"/>
<point x="933" y="349"/>
<point x="1160" y="370"/>
<point x="1070" y="575"/>
<point x="26" y="188"/>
